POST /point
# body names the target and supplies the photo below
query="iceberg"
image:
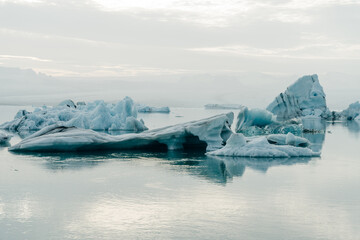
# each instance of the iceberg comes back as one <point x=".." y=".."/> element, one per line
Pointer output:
<point x="97" y="115"/>
<point x="262" y="122"/>
<point x="147" y="109"/>
<point x="67" y="103"/>
<point x="238" y="146"/>
<point x="206" y="134"/>
<point x="223" y="106"/>
<point x="4" y="138"/>
<point x="305" y="97"/>
<point x="352" y="112"/>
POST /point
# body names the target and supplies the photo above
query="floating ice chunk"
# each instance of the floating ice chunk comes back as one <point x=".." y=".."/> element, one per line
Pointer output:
<point x="304" y="97"/>
<point x="147" y="109"/>
<point x="261" y="122"/>
<point x="4" y="138"/>
<point x="288" y="139"/>
<point x="253" y="117"/>
<point x="97" y="115"/>
<point x="352" y="112"/>
<point x="67" y="103"/>
<point x="260" y="147"/>
<point x="210" y="134"/>
<point x="223" y="106"/>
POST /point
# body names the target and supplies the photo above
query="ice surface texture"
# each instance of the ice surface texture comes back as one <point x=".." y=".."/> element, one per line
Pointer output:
<point x="97" y="115"/>
<point x="238" y="146"/>
<point x="210" y="134"/>
<point x="305" y="97"/>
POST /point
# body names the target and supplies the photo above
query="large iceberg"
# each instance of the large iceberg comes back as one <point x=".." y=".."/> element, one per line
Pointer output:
<point x="148" y="109"/>
<point x="206" y="134"/>
<point x="305" y="97"/>
<point x="286" y="146"/>
<point x="4" y="138"/>
<point x="261" y="122"/>
<point x="97" y="115"/>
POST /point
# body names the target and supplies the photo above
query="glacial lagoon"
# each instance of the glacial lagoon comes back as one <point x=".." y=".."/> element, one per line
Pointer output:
<point x="175" y="195"/>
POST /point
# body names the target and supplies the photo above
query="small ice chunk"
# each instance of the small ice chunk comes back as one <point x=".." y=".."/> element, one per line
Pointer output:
<point x="223" y="106"/>
<point x="4" y="138"/>
<point x="148" y="109"/>
<point x="260" y="147"/>
<point x="67" y="103"/>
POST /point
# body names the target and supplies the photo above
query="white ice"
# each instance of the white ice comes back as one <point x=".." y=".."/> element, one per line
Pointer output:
<point x="305" y="97"/>
<point x="352" y="112"/>
<point x="288" y="139"/>
<point x="238" y="146"/>
<point x="96" y="115"/>
<point x="210" y="134"/>
<point x="148" y="109"/>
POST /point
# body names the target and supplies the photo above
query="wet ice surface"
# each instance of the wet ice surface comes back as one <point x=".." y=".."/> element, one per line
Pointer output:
<point x="134" y="195"/>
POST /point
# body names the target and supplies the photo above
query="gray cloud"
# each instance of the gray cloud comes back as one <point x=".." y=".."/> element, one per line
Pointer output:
<point x="168" y="39"/>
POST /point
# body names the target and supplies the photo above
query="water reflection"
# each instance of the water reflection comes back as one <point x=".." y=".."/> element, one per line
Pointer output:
<point x="226" y="168"/>
<point x="214" y="169"/>
<point x="353" y="127"/>
<point x="316" y="140"/>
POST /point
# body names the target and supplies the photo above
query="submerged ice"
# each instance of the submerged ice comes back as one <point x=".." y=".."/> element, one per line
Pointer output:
<point x="96" y="115"/>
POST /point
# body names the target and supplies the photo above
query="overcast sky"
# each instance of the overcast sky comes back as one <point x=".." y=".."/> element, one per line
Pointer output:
<point x="142" y="38"/>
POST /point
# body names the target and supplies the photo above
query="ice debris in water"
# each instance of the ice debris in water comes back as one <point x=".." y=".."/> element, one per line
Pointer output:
<point x="278" y="146"/>
<point x="223" y="106"/>
<point x="96" y="115"/>
<point x="210" y="134"/>
<point x="261" y="122"/>
<point x="148" y="109"/>
<point x="352" y="112"/>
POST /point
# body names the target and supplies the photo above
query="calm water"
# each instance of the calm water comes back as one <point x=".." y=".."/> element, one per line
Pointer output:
<point x="135" y="195"/>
